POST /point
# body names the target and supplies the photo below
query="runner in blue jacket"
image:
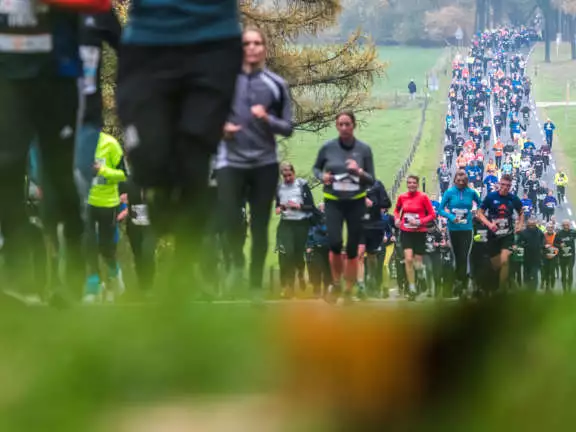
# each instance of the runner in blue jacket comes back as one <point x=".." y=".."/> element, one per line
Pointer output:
<point x="457" y="204"/>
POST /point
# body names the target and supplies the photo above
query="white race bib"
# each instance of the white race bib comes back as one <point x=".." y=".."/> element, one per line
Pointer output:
<point x="140" y="215"/>
<point x="25" y="44"/>
<point x="461" y="215"/>
<point x="503" y="227"/>
<point x="90" y="56"/>
<point x="345" y="186"/>
<point x="412" y="216"/>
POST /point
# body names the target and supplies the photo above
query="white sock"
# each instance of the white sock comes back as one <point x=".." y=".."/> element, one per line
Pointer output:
<point x="412" y="287"/>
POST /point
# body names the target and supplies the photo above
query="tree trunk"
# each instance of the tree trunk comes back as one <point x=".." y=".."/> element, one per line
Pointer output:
<point x="498" y="12"/>
<point x="548" y="28"/>
<point x="480" y="15"/>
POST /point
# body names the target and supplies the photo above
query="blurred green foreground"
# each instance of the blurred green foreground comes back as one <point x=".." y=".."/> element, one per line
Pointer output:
<point x="506" y="365"/>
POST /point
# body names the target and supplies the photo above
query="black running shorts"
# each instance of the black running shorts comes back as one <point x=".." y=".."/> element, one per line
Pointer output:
<point x="498" y="244"/>
<point x="413" y="240"/>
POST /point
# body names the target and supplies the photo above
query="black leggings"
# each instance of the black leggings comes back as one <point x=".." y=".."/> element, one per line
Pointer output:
<point x="143" y="245"/>
<point x="351" y="211"/>
<point x="45" y="108"/>
<point x="291" y="244"/>
<point x="461" y="242"/>
<point x="100" y="231"/>
<point x="567" y="271"/>
<point x="235" y="187"/>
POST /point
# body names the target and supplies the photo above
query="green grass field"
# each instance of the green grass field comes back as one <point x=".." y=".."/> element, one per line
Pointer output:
<point x="550" y="85"/>
<point x="552" y="79"/>
<point x="390" y="132"/>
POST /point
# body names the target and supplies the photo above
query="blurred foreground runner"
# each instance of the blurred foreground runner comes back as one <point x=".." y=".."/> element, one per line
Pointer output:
<point x="39" y="68"/>
<point x="177" y="71"/>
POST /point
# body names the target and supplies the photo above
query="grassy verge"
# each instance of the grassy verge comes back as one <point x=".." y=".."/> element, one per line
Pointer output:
<point x="550" y="79"/>
<point x="550" y="85"/>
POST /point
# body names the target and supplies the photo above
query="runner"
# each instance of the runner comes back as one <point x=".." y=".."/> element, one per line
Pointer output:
<point x="561" y="181"/>
<point x="247" y="162"/>
<point x="177" y="69"/>
<point x="550" y="262"/>
<point x="39" y="69"/>
<point x="549" y="204"/>
<point x="294" y="205"/>
<point x="101" y="224"/>
<point x="532" y="240"/>
<point x="377" y="203"/>
<point x="412" y="214"/>
<point x="549" y="129"/>
<point x="565" y="242"/>
<point x="346" y="167"/>
<point x="496" y="212"/>
<point x="457" y="205"/>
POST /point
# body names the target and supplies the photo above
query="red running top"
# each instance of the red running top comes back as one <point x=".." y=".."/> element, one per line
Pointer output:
<point x="418" y="206"/>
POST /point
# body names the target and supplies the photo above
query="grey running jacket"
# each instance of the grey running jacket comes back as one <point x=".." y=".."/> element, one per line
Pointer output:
<point x="255" y="145"/>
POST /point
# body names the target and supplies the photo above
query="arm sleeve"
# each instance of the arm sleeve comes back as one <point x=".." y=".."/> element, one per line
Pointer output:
<point x="369" y="174"/>
<point x="277" y="203"/>
<point x="384" y="198"/>
<point x="118" y="173"/>
<point x="318" y="168"/>
<point x="113" y="175"/>
<point x="442" y="209"/>
<point x="398" y="208"/>
<point x="283" y="125"/>
<point x="430" y="213"/>
<point x="308" y="204"/>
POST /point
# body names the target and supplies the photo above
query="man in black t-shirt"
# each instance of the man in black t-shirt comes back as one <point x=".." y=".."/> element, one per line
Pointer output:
<point x="497" y="214"/>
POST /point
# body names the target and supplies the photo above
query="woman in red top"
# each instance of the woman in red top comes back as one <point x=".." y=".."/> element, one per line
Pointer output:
<point x="412" y="214"/>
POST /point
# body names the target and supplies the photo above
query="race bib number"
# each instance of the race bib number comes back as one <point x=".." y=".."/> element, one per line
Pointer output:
<point x="520" y="252"/>
<point x="550" y="205"/>
<point x="461" y="216"/>
<point x="345" y="186"/>
<point x="90" y="56"/>
<point x="566" y="251"/>
<point x="503" y="227"/>
<point x="414" y="218"/>
<point x="483" y="236"/>
<point x="25" y="44"/>
<point x="140" y="215"/>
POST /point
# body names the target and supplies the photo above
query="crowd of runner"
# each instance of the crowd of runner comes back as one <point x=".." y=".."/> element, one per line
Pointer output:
<point x="198" y="160"/>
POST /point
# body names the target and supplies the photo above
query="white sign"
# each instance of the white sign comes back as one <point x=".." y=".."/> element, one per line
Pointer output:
<point x="459" y="35"/>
